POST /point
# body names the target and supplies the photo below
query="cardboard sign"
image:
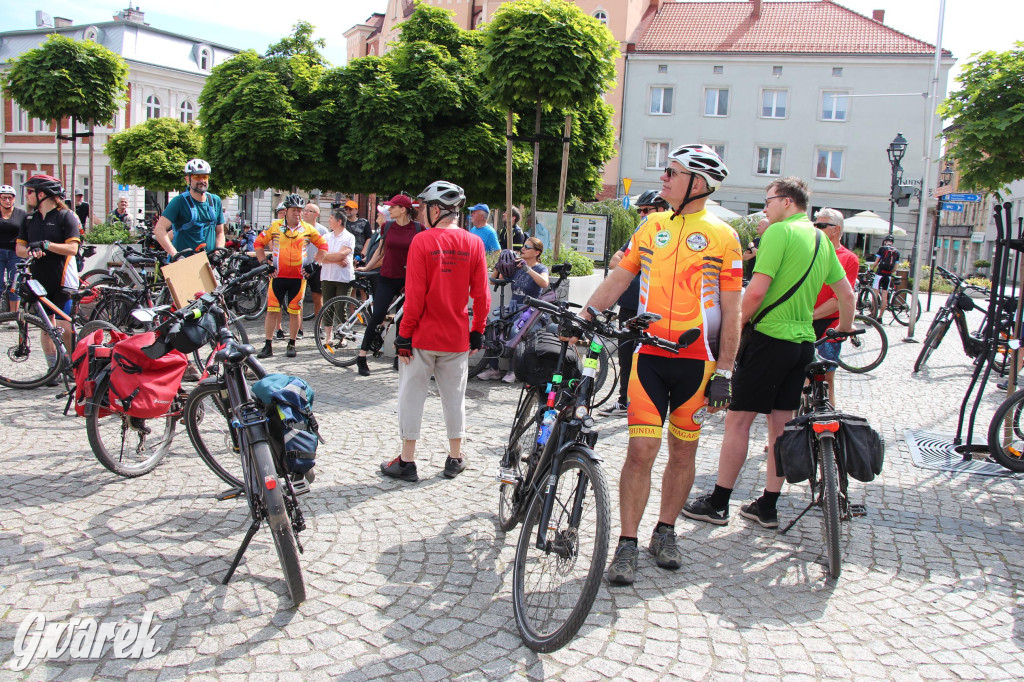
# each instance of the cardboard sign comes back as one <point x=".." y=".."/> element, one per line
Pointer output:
<point x="187" y="277"/>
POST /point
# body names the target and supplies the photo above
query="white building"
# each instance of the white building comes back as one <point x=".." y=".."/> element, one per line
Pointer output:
<point x="810" y="89"/>
<point x="167" y="72"/>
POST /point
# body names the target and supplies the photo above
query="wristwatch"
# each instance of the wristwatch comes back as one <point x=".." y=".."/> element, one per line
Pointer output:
<point x="724" y="373"/>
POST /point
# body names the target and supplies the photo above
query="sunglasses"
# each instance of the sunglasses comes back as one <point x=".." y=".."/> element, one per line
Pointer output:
<point x="823" y="226"/>
<point x="646" y="210"/>
<point x="200" y="177"/>
<point x="527" y="246"/>
<point x="672" y="172"/>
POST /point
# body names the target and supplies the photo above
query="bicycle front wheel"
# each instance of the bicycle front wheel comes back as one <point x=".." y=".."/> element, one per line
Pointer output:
<point x="830" y="506"/>
<point x="864" y="352"/>
<point x="868" y="302"/>
<point x="553" y="588"/>
<point x="346" y="317"/>
<point x="23" y="362"/>
<point x="280" y="522"/>
<point x="128" y="446"/>
<point x="1006" y="433"/>
<point x="520" y="445"/>
<point x="931" y="342"/>
<point x="207" y="423"/>
<point x="900" y="306"/>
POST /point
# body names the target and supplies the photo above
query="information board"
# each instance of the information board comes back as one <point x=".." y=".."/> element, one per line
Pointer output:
<point x="585" y="233"/>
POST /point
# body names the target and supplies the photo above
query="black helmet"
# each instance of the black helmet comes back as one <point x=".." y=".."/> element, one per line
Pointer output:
<point x="293" y="201"/>
<point x="506" y="265"/>
<point x="46" y="184"/>
<point x="652" y="198"/>
<point x="888" y="239"/>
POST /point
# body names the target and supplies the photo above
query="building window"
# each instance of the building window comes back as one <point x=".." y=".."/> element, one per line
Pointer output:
<point x="773" y="103"/>
<point x="769" y="161"/>
<point x="601" y="16"/>
<point x="837" y="71"/>
<point x="661" y="100"/>
<point x="152" y="107"/>
<point x="718" y="69"/>
<point x="204" y="60"/>
<point x="662" y="68"/>
<point x="185" y="115"/>
<point x="830" y="164"/>
<point x="716" y="102"/>
<point x="17" y="180"/>
<point x="656" y="155"/>
<point x="776" y="70"/>
<point x="833" y="106"/>
<point x="19" y="118"/>
<point x="717" y="148"/>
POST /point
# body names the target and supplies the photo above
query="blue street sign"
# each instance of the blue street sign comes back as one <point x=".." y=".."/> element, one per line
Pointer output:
<point x="625" y="201"/>
<point x="952" y="208"/>
<point x="123" y="188"/>
<point x="963" y="197"/>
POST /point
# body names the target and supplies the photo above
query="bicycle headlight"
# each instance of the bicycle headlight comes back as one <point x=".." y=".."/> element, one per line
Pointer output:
<point x="582" y="412"/>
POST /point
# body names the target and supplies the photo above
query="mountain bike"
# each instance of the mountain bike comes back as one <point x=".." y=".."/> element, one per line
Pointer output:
<point x="828" y="477"/>
<point x="1006" y="433"/>
<point x="561" y="494"/>
<point x="955" y="310"/>
<point x="341" y="324"/>
<point x="265" y="482"/>
<point x="868" y="300"/>
<point x="864" y="352"/>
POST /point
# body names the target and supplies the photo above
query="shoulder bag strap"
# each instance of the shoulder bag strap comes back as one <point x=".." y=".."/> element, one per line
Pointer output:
<point x="792" y="290"/>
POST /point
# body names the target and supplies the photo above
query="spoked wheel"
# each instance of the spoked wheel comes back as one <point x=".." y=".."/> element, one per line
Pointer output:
<point x="864" y="352"/>
<point x="128" y="446"/>
<point x="554" y="588"/>
<point x="251" y="300"/>
<point x="899" y="306"/>
<point x="489" y="350"/>
<point x="208" y="426"/>
<point x="23" y="362"/>
<point x="520" y="444"/>
<point x="868" y="302"/>
<point x="830" y="506"/>
<point x="279" y="521"/>
<point x="339" y="329"/>
<point x="931" y="342"/>
<point x="308" y="311"/>
<point x="1006" y="433"/>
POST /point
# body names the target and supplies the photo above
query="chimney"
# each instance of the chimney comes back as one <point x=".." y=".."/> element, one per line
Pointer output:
<point x="878" y="15"/>
<point x="61" y="22"/>
<point x="755" y="13"/>
<point x="131" y="15"/>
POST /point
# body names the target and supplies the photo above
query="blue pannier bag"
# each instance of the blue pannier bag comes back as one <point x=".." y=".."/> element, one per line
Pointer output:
<point x="294" y="432"/>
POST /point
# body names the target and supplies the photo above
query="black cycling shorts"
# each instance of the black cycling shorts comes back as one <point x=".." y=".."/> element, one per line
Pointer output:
<point x="661" y="387"/>
<point x="769" y="374"/>
<point x="882" y="280"/>
<point x="286" y="290"/>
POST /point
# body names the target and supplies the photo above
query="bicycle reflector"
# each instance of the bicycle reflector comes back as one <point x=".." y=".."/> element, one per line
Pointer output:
<point x="270" y="482"/>
<point x="821" y="427"/>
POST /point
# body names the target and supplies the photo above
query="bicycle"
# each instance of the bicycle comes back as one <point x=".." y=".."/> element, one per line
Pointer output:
<point x="899" y="304"/>
<point x="264" y="481"/>
<point x="1006" y="433"/>
<point x="562" y="496"/>
<point x="868" y="300"/>
<point x="865" y="352"/>
<point x="341" y="324"/>
<point x="955" y="310"/>
<point x="828" y="479"/>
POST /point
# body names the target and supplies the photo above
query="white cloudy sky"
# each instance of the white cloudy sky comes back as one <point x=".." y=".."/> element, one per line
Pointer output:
<point x="971" y="25"/>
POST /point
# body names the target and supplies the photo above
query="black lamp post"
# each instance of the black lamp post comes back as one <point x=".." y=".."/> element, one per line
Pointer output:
<point x="896" y="149"/>
<point x="945" y="179"/>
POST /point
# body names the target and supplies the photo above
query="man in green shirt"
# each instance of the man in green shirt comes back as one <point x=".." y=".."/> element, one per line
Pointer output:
<point x="770" y="365"/>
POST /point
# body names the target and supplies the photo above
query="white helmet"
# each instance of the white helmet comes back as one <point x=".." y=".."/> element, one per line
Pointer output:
<point x="197" y="167"/>
<point x="7" y="189"/>
<point x="701" y="160"/>
<point x="447" y="194"/>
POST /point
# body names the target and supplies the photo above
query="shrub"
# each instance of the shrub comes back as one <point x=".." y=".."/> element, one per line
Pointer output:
<point x="981" y="263"/>
<point x="107" y="233"/>
<point x="984" y="282"/>
<point x="581" y="265"/>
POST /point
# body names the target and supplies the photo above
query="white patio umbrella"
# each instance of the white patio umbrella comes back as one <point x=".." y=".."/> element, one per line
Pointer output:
<point x="867" y="222"/>
<point x="720" y="211"/>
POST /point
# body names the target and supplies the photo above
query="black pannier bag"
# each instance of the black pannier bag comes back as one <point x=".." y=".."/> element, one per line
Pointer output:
<point x="793" y="456"/>
<point x="535" y="359"/>
<point x="863" y="450"/>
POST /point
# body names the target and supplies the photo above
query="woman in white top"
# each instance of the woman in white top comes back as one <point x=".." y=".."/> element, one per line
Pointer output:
<point x="337" y="269"/>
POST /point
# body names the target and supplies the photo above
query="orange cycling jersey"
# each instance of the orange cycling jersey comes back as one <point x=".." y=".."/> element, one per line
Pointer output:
<point x="685" y="262"/>
<point x="288" y="246"/>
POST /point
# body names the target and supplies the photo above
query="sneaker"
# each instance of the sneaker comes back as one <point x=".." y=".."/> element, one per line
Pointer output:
<point x="700" y="509"/>
<point x="394" y="469"/>
<point x="663" y="547"/>
<point x="192" y="373"/>
<point x="268" y="350"/>
<point x="279" y="335"/>
<point x="489" y="374"/>
<point x="364" y="369"/>
<point x="300" y="333"/>
<point x="767" y="519"/>
<point x="622" y="570"/>
<point x="616" y="409"/>
<point x="1003" y="385"/>
<point x="454" y="467"/>
<point x="289" y="352"/>
<point x="509" y="378"/>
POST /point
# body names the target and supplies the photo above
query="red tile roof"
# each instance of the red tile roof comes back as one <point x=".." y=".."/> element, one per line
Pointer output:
<point x="783" y="27"/>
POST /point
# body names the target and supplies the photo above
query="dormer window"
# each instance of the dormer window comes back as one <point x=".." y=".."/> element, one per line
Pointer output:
<point x="204" y="59"/>
<point x="601" y="16"/>
<point x="203" y="56"/>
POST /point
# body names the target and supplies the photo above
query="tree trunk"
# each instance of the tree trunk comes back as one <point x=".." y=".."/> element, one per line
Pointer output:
<point x="92" y="179"/>
<point x="59" y="174"/>
<point x="536" y="169"/>
<point x="508" y="178"/>
<point x="74" y="159"/>
<point x="561" y="184"/>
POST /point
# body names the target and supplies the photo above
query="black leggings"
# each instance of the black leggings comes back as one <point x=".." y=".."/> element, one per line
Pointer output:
<point x="383" y="294"/>
<point x="626" y="349"/>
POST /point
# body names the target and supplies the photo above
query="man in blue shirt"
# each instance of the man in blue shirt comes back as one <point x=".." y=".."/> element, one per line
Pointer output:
<point x="194" y="216"/>
<point x="479" y="215"/>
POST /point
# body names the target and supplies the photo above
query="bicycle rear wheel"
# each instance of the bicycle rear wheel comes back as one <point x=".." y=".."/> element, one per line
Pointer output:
<point x="520" y="444"/>
<point x="899" y="306"/>
<point x="553" y="590"/>
<point x="1006" y="433"/>
<point x="868" y="302"/>
<point x="830" y="506"/>
<point x="489" y="350"/>
<point x="23" y="361"/>
<point x="347" y="319"/>
<point x="864" y="352"/>
<point x="127" y="446"/>
<point x="931" y="342"/>
<point x="279" y="520"/>
<point x="207" y="423"/>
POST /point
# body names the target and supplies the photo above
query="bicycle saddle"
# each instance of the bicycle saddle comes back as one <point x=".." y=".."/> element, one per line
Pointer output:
<point x="368" y="273"/>
<point x="499" y="282"/>
<point x="136" y="259"/>
<point x="235" y="352"/>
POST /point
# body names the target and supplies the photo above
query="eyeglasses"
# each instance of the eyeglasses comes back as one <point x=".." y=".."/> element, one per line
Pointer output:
<point x="777" y="196"/>
<point x="823" y="226"/>
<point x="201" y="177"/>
<point x="672" y="172"/>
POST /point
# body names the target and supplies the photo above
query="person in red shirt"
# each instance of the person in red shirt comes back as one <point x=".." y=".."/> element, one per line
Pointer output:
<point x="826" y="308"/>
<point x="446" y="266"/>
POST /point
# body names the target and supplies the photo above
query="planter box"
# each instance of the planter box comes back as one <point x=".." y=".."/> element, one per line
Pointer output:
<point x="99" y="260"/>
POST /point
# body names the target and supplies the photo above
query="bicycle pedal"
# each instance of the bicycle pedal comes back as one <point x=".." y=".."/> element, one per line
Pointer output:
<point x="858" y="510"/>
<point x="230" y="494"/>
<point x="507" y="476"/>
<point x="301" y="487"/>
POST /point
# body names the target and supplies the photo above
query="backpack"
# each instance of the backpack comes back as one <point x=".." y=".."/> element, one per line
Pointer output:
<point x="535" y="359"/>
<point x="141" y="386"/>
<point x="888" y="260"/>
<point x="90" y="362"/>
<point x="294" y="431"/>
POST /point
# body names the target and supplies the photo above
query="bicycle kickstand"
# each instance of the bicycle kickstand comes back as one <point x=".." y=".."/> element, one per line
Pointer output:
<point x="799" y="516"/>
<point x="241" y="550"/>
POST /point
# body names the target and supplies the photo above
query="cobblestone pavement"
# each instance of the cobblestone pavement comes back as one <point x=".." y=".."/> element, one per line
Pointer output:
<point x="412" y="581"/>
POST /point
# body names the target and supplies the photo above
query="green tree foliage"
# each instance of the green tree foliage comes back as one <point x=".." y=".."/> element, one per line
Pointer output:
<point x="153" y="154"/>
<point x="548" y="51"/>
<point x="987" y="135"/>
<point x="66" y="78"/>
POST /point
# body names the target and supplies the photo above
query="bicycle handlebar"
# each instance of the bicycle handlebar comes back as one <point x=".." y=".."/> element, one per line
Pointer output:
<point x="836" y="335"/>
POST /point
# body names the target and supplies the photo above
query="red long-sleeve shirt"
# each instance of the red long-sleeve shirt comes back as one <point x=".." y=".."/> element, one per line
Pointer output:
<point x="446" y="266"/>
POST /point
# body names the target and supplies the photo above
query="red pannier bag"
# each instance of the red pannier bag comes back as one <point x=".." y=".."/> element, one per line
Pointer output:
<point x="141" y="386"/>
<point x="89" y="361"/>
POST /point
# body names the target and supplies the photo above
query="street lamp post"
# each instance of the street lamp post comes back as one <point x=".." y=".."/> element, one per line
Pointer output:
<point x="945" y="179"/>
<point x="896" y="149"/>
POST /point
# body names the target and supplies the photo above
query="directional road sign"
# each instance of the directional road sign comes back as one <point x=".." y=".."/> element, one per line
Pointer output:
<point x="952" y="208"/>
<point x="963" y="197"/>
